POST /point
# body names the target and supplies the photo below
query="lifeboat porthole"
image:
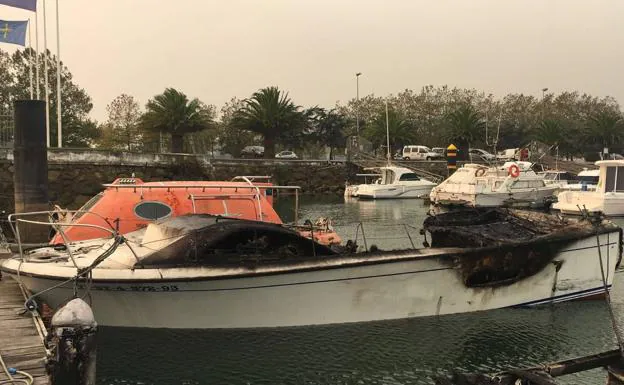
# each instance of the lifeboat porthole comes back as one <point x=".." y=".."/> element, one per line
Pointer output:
<point x="152" y="210"/>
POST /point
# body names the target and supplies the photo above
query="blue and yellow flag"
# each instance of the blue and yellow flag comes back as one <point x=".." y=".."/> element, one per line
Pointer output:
<point x="13" y="32"/>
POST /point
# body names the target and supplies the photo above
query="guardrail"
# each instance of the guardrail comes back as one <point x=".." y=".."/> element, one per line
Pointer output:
<point x="104" y="157"/>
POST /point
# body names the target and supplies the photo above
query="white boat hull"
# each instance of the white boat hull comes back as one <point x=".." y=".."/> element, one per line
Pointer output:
<point x="610" y="204"/>
<point x="394" y="192"/>
<point x="415" y="287"/>
<point x="494" y="199"/>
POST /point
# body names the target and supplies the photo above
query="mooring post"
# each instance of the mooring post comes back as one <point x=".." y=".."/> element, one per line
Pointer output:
<point x="451" y="159"/>
<point x="72" y="343"/>
<point x="30" y="161"/>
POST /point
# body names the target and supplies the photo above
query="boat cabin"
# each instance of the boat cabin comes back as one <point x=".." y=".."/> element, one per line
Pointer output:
<point x="589" y="177"/>
<point x="611" y="179"/>
<point x="394" y="175"/>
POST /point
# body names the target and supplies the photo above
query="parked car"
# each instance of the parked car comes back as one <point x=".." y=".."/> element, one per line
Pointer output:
<point x="286" y="155"/>
<point x="252" y="152"/>
<point x="439" y="150"/>
<point x="420" y="153"/>
<point x="613" y="156"/>
<point x="481" y="154"/>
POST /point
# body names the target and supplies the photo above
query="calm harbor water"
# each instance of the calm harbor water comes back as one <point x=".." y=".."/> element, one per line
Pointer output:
<point x="394" y="352"/>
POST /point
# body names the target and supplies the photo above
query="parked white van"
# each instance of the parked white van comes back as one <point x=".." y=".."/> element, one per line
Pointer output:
<point x="420" y="153"/>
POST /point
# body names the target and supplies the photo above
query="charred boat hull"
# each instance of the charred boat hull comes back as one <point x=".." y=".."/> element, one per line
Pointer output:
<point x="317" y="291"/>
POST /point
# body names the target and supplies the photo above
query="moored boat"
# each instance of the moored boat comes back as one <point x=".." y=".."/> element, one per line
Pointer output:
<point x="393" y="183"/>
<point x="514" y="184"/>
<point x="607" y="197"/>
<point x="203" y="271"/>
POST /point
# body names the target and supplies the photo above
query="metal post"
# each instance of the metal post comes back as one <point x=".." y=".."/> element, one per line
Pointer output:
<point x="387" y="134"/>
<point x="46" y="81"/>
<point x="30" y="61"/>
<point x="37" y="55"/>
<point x="58" y="79"/>
<point x="451" y="159"/>
<point x="357" y="105"/>
<point x="296" y="206"/>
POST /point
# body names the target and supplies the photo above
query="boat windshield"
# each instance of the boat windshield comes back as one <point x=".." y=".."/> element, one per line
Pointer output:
<point x="410" y="176"/>
<point x="588" y="179"/>
<point x="551" y="176"/>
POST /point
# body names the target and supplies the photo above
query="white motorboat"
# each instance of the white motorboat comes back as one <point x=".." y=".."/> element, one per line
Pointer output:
<point x="557" y="177"/>
<point x="351" y="190"/>
<point x="586" y="180"/>
<point x="393" y="183"/>
<point x="514" y="184"/>
<point x="607" y="196"/>
<point x="202" y="271"/>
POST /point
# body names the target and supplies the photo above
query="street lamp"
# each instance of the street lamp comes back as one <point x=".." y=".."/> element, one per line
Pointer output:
<point x="357" y="104"/>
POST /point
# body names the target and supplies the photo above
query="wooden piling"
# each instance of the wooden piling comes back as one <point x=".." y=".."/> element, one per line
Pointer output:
<point x="21" y="335"/>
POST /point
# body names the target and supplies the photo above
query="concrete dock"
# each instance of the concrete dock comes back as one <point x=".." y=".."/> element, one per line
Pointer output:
<point x="21" y="335"/>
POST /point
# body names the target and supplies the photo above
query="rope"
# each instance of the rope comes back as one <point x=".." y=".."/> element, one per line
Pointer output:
<point x="12" y="380"/>
<point x="608" y="298"/>
<point x="585" y="215"/>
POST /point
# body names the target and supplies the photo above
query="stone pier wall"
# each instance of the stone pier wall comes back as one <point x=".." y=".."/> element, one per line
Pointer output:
<point x="75" y="175"/>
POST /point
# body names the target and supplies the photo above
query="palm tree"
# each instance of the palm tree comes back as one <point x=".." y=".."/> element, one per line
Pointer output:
<point x="270" y="113"/>
<point x="327" y="128"/>
<point x="465" y="127"/>
<point x="172" y="112"/>
<point x="604" y="129"/>
<point x="549" y="131"/>
<point x="402" y="131"/>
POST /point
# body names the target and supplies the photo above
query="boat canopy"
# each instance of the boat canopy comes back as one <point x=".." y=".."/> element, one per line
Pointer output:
<point x="392" y="174"/>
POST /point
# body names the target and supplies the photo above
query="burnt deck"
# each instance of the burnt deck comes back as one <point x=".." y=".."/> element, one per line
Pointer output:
<point x="21" y="344"/>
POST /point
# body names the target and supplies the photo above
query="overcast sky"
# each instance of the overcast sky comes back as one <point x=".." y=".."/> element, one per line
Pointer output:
<point x="217" y="49"/>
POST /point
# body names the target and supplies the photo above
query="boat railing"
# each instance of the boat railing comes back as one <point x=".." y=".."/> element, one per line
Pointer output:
<point x="254" y="177"/>
<point x="255" y="196"/>
<point x="359" y="229"/>
<point x="295" y="188"/>
<point x="243" y="178"/>
<point x="18" y="218"/>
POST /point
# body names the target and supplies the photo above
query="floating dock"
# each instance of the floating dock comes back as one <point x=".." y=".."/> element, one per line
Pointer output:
<point x="21" y="335"/>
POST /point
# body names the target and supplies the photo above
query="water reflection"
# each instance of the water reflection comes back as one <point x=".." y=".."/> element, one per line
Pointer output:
<point x="398" y="352"/>
<point x="389" y="224"/>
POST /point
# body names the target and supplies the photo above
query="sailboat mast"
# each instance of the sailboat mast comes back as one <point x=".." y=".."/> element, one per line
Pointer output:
<point x="387" y="134"/>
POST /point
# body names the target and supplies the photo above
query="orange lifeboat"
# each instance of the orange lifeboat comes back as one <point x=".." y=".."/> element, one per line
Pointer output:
<point x="129" y="204"/>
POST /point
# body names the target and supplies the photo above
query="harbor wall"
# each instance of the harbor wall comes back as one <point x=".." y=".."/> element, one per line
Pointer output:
<point x="75" y="175"/>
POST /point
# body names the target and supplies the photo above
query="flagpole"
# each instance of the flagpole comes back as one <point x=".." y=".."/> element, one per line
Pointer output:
<point x="30" y="63"/>
<point x="58" y="78"/>
<point x="45" y="74"/>
<point x="37" y="57"/>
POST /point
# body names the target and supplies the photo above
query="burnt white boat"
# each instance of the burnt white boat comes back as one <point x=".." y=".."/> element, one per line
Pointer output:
<point x="201" y="271"/>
